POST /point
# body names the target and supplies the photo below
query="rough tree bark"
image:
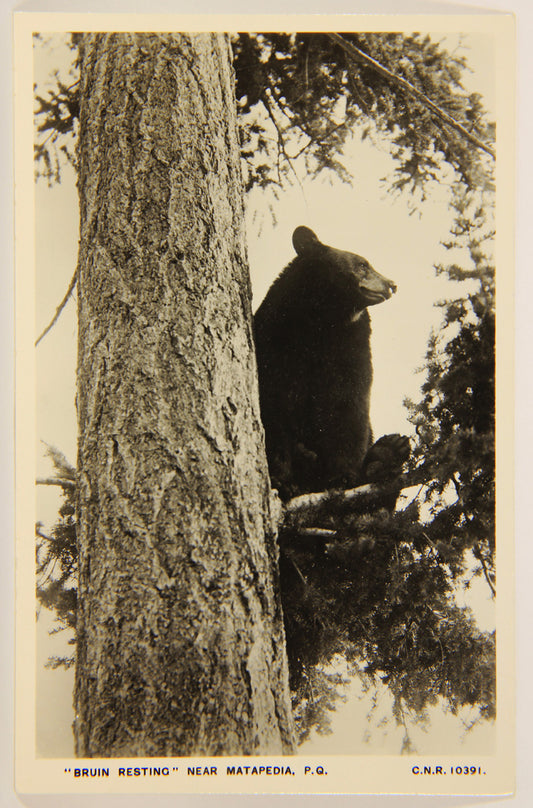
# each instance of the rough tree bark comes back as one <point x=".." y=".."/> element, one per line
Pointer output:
<point x="181" y="647"/>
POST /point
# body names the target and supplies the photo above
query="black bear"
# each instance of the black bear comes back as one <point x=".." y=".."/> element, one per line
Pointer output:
<point x="312" y="335"/>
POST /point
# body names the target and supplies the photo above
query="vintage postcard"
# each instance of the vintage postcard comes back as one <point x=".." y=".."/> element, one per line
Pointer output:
<point x="264" y="378"/>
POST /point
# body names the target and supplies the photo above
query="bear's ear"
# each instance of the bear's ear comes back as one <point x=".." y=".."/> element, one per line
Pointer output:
<point x="304" y="240"/>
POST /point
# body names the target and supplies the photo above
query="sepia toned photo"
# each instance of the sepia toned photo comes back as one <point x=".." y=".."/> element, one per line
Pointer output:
<point x="265" y="316"/>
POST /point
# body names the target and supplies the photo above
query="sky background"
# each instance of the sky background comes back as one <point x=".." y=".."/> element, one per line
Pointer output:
<point x="363" y="218"/>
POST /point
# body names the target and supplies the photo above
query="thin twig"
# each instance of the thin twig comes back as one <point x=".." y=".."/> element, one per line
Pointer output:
<point x="281" y="142"/>
<point x="53" y="133"/>
<point x="479" y="555"/>
<point x="430" y="542"/>
<point x="60" y="308"/>
<point x="361" y="56"/>
<point x="300" y="573"/>
<point x="319" y="141"/>
<point x="282" y="104"/>
<point x="281" y="147"/>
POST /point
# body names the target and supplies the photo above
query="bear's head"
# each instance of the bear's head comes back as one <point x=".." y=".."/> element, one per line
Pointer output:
<point x="343" y="282"/>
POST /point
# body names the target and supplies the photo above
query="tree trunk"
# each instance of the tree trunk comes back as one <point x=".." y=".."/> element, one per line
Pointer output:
<point x="181" y="649"/>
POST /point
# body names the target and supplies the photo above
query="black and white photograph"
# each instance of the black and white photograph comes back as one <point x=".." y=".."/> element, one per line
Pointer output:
<point x="265" y="329"/>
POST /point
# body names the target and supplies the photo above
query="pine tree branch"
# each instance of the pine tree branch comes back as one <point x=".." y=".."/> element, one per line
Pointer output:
<point x="309" y="503"/>
<point x="304" y="507"/>
<point x="60" y="308"/>
<point x="361" y="56"/>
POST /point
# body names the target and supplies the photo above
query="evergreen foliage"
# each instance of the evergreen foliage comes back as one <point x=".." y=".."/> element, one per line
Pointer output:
<point x="57" y="556"/>
<point x="381" y="587"/>
<point x="300" y="95"/>
<point x="313" y="95"/>
<point x="56" y="117"/>
<point x="374" y="586"/>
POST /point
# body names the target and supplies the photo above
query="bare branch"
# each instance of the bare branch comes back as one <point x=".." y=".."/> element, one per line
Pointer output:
<point x="361" y="56"/>
<point x="60" y="308"/>
<point x="479" y="555"/>
<point x="281" y="142"/>
<point x="62" y="481"/>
